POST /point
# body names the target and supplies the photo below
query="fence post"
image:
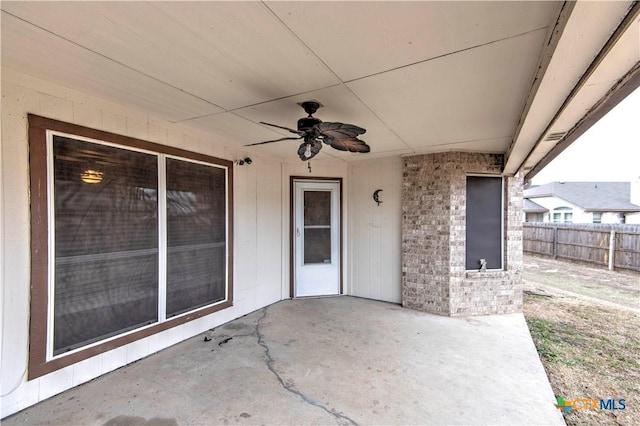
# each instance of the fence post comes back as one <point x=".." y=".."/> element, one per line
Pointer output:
<point x="612" y="248"/>
<point x="555" y="242"/>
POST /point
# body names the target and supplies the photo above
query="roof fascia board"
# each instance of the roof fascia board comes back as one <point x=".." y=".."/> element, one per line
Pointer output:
<point x="624" y="87"/>
<point x="530" y="134"/>
<point x="553" y="38"/>
<point x="614" y="210"/>
<point x="539" y="195"/>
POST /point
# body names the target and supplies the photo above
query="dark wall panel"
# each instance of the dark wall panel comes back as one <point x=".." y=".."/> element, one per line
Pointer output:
<point x="484" y="222"/>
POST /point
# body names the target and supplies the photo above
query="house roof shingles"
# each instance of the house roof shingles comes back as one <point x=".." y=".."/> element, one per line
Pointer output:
<point x="591" y="196"/>
<point x="531" y="207"/>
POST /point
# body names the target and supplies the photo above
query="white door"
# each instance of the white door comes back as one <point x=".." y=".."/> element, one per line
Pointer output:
<point x="316" y="238"/>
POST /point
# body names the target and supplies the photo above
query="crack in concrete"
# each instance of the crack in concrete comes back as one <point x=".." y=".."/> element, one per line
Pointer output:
<point x="225" y="336"/>
<point x="212" y="334"/>
<point x="288" y="387"/>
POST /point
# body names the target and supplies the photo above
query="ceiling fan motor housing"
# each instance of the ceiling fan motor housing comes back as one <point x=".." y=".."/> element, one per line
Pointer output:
<point x="307" y="123"/>
<point x="310" y="107"/>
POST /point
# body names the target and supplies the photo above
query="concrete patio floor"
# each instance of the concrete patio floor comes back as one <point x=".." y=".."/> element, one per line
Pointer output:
<point x="339" y="360"/>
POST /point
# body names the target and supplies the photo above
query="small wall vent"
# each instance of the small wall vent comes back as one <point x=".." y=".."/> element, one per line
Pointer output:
<point x="556" y="136"/>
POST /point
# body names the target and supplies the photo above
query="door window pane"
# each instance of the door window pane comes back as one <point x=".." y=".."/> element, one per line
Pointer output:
<point x="317" y="208"/>
<point x="196" y="235"/>
<point x="317" y="227"/>
<point x="106" y="241"/>
<point x="317" y="245"/>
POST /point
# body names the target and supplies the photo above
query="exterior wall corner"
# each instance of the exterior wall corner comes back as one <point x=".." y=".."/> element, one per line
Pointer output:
<point x="434" y="278"/>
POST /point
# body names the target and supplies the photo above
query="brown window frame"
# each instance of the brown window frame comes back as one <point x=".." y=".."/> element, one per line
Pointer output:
<point x="38" y="173"/>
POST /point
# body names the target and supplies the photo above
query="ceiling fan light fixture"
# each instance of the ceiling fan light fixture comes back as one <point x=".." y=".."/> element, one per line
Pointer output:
<point x="307" y="151"/>
<point x="91" y="176"/>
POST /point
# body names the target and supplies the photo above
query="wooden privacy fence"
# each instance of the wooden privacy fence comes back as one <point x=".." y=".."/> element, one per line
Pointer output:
<point x="613" y="246"/>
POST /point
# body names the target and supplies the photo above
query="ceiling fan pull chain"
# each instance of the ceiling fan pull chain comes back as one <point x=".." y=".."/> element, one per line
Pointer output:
<point x="309" y="166"/>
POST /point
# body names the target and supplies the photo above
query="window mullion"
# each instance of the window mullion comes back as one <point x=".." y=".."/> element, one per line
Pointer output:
<point x="50" y="245"/>
<point x="162" y="238"/>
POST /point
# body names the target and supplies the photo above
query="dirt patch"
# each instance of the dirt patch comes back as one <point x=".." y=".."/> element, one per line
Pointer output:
<point x="620" y="288"/>
<point x="589" y="344"/>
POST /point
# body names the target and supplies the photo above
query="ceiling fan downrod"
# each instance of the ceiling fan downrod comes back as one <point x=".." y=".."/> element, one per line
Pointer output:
<point x="306" y="123"/>
<point x="310" y="107"/>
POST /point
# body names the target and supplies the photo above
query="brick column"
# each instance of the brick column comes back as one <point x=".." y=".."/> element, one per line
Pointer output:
<point x="434" y="278"/>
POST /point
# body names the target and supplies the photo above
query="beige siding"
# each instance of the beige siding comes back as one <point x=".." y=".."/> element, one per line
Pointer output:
<point x="258" y="237"/>
<point x="371" y="237"/>
<point x="320" y="169"/>
<point x="374" y="230"/>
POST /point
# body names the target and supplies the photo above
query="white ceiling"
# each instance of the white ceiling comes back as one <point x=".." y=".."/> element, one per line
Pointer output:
<point x="419" y="76"/>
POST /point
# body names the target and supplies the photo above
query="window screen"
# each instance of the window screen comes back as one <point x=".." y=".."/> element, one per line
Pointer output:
<point x="106" y="241"/>
<point x="484" y="222"/>
<point x="107" y="255"/>
<point x="196" y="235"/>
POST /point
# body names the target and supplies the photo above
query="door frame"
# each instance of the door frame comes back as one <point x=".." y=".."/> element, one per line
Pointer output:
<point x="292" y="212"/>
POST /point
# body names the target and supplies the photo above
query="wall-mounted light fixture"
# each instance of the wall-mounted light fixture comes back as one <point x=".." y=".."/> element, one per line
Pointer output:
<point x="91" y="176"/>
<point x="376" y="196"/>
<point x="244" y="161"/>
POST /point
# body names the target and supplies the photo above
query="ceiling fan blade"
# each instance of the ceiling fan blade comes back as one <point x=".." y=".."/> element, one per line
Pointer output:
<point x="348" y="144"/>
<point x="275" y="140"/>
<point x="340" y="136"/>
<point x="297" y="132"/>
<point x="340" y="130"/>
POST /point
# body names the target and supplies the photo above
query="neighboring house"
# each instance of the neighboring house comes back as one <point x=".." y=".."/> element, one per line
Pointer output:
<point x="132" y="218"/>
<point x="580" y="202"/>
<point x="635" y="199"/>
<point x="533" y="212"/>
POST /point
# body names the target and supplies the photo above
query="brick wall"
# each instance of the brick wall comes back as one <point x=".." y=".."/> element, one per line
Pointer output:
<point x="434" y="278"/>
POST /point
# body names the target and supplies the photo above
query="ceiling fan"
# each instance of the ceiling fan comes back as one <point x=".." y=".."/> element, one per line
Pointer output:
<point x="340" y="136"/>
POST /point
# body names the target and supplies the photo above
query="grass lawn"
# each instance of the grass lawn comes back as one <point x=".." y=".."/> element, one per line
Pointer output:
<point x="589" y="348"/>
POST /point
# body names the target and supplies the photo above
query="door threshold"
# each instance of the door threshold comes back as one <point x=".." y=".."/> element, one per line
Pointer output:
<point x="322" y="296"/>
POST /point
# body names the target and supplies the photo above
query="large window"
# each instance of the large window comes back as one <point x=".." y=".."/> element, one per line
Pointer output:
<point x="563" y="215"/>
<point x="104" y="226"/>
<point x="196" y="236"/>
<point x="129" y="238"/>
<point x="484" y="222"/>
<point x="534" y="217"/>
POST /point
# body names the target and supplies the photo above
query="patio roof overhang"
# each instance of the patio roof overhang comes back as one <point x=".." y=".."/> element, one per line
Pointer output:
<point x="520" y="78"/>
